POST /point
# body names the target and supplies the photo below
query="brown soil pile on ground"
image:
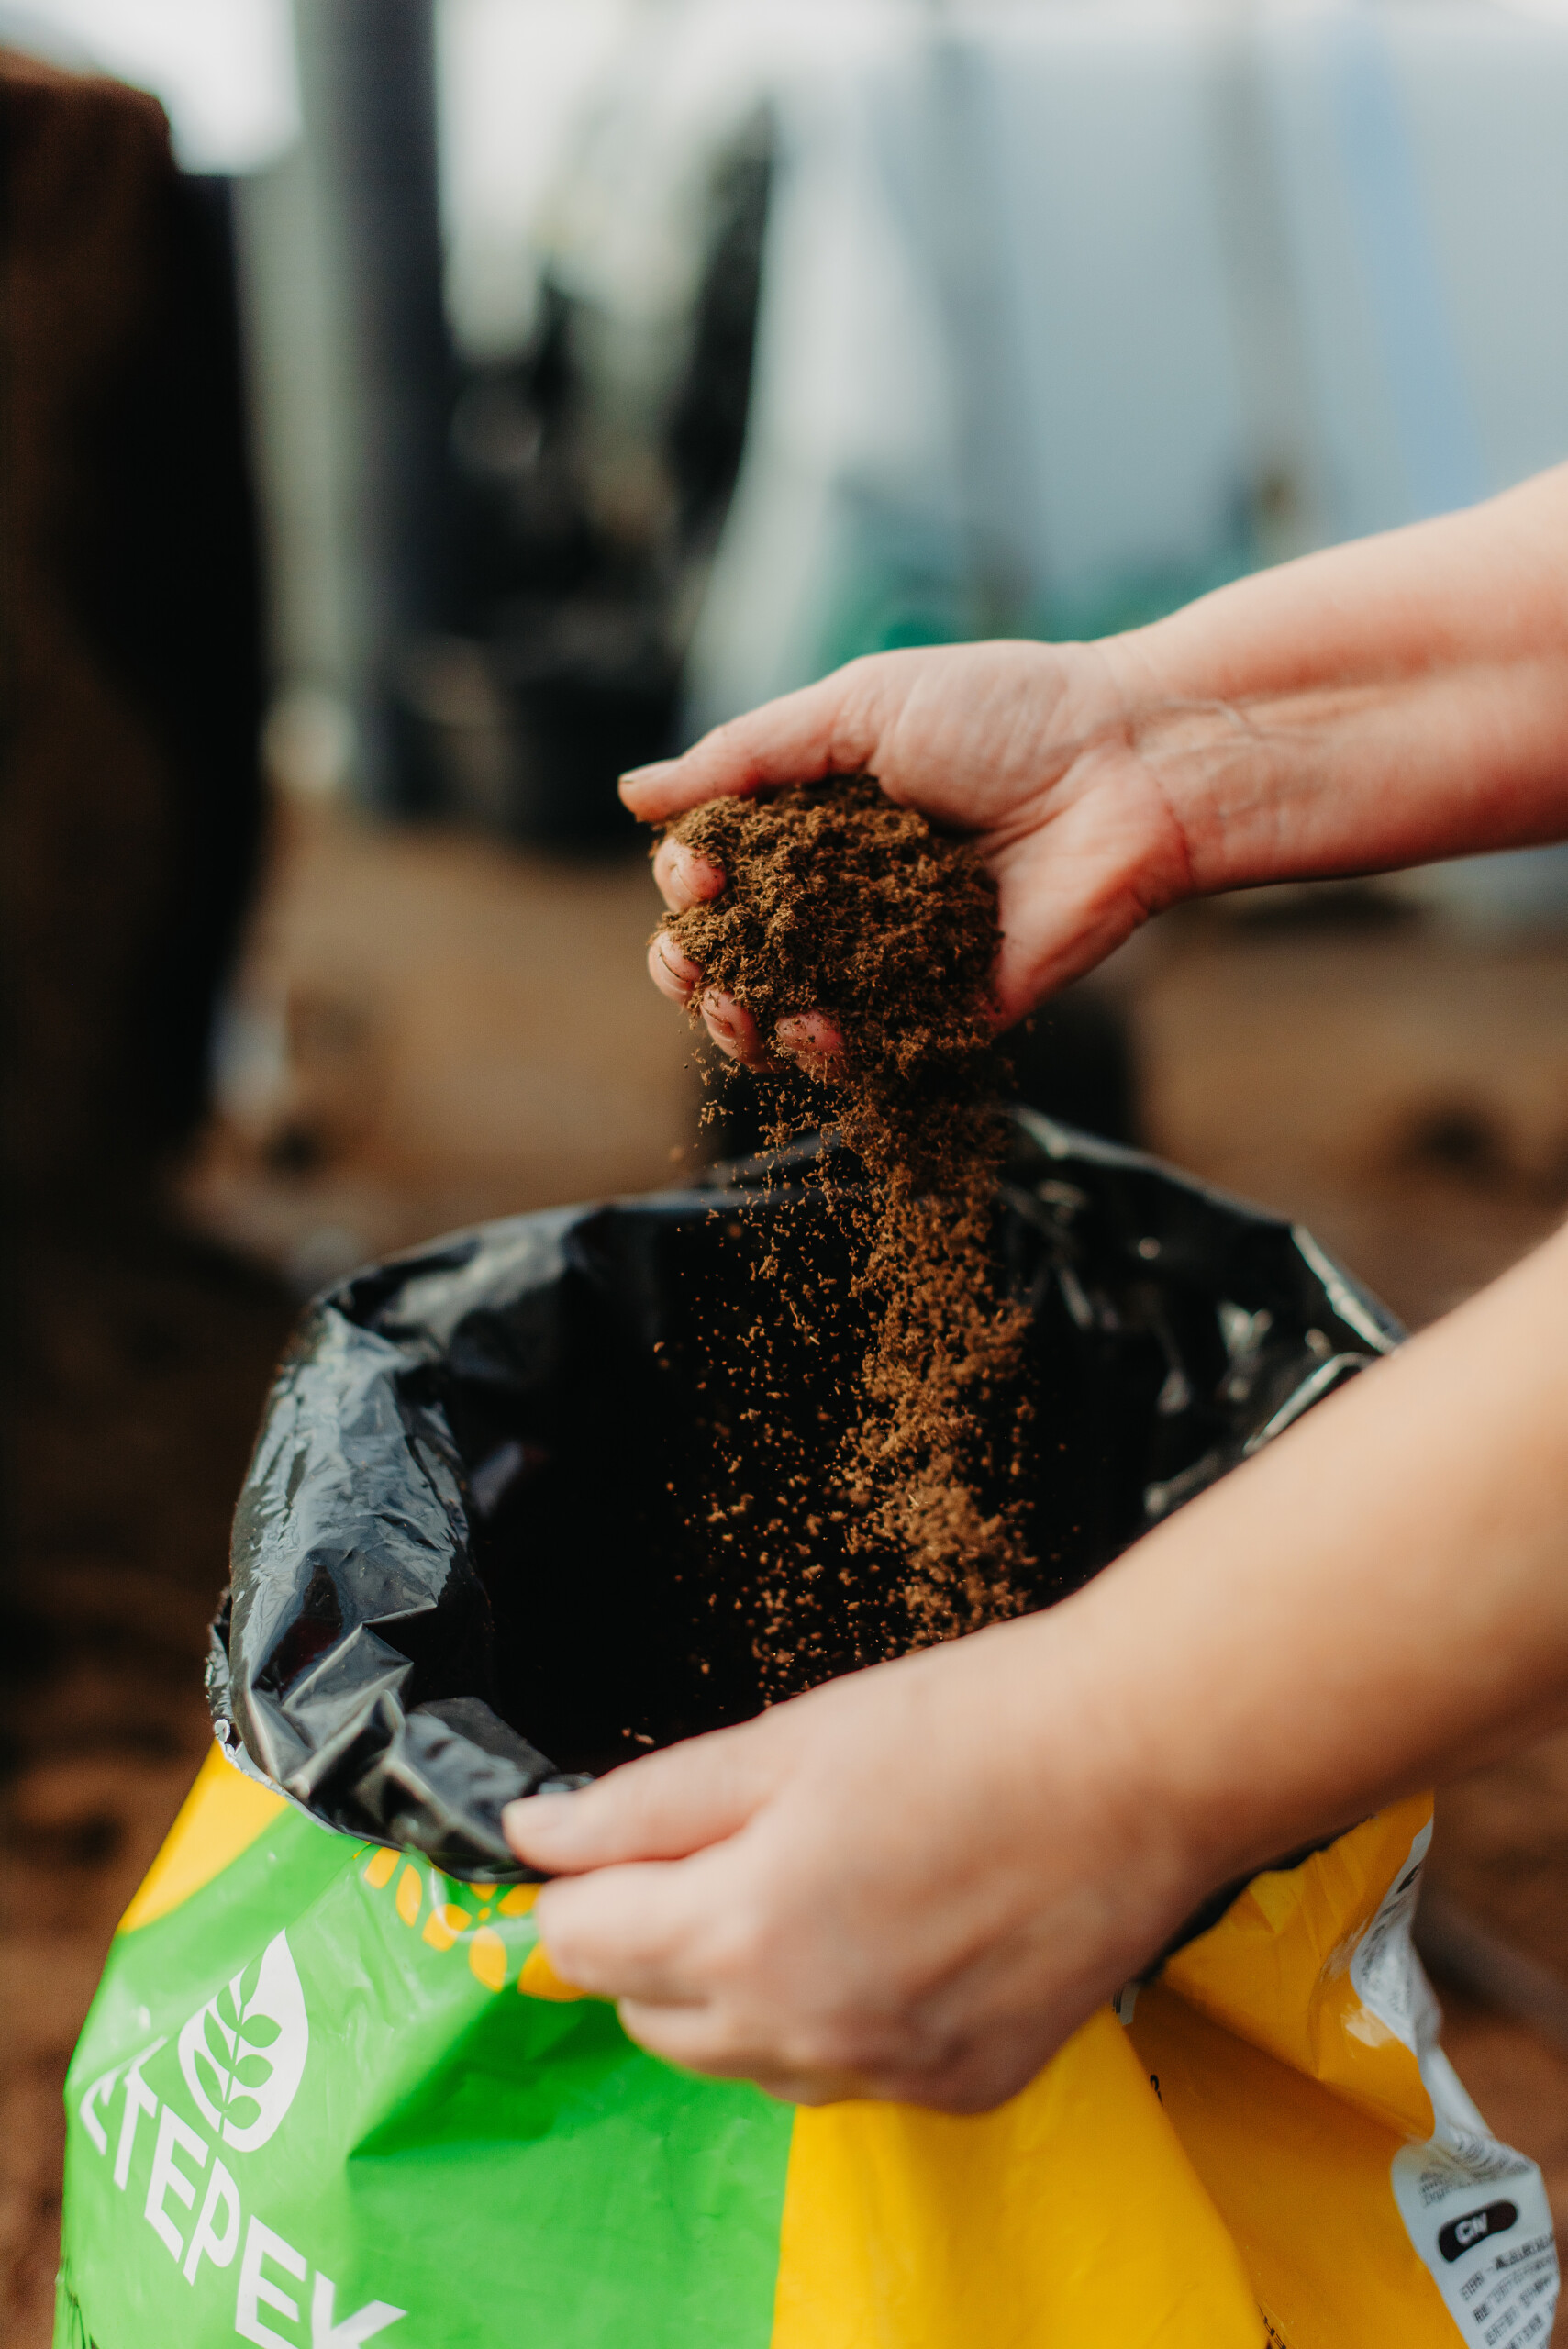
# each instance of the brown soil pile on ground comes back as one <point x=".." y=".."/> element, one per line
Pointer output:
<point x="838" y="901"/>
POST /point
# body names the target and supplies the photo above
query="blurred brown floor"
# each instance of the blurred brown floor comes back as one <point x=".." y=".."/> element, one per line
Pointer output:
<point x="435" y="1032"/>
<point x="145" y="1360"/>
<point x="431" y="1030"/>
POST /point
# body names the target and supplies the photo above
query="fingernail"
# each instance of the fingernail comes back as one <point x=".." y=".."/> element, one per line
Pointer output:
<point x="676" y="960"/>
<point x="649" y="774"/>
<point x="530" y="1812"/>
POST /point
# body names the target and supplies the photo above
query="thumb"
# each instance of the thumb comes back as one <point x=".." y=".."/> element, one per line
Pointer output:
<point x="826" y="728"/>
<point x="663" y="1806"/>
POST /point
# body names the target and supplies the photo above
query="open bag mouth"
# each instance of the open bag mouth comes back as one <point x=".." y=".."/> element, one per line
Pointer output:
<point x="464" y="1564"/>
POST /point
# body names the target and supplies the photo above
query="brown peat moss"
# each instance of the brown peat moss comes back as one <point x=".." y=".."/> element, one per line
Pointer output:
<point x="837" y="900"/>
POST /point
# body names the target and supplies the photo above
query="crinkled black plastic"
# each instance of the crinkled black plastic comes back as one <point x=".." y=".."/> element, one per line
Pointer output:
<point x="458" y="1526"/>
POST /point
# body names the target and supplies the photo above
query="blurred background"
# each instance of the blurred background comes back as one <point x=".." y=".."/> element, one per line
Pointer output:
<point x="412" y="413"/>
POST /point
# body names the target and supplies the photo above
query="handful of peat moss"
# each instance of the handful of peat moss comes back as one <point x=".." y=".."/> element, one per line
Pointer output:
<point x="837" y="901"/>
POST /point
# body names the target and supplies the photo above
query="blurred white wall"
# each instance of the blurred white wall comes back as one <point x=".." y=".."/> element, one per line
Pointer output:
<point x="224" y="69"/>
<point x="514" y="77"/>
<point x="1070" y="312"/>
<point x="583" y="131"/>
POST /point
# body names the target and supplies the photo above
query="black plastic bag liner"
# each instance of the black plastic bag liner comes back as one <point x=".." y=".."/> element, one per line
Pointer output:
<point x="464" y="1527"/>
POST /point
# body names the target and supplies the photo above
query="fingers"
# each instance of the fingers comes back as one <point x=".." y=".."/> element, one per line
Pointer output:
<point x="728" y="1023"/>
<point x="621" y="1933"/>
<point x="788" y="2050"/>
<point x="813" y="1036"/>
<point x="684" y="878"/>
<point x="823" y="729"/>
<point x="674" y="974"/>
<point x="668" y="1943"/>
<point x="696" y="2037"/>
<point x="734" y="1031"/>
<point x="661" y="1808"/>
<point x="810" y="1036"/>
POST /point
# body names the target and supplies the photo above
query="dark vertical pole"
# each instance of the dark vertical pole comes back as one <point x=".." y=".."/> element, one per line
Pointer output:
<point x="367" y="71"/>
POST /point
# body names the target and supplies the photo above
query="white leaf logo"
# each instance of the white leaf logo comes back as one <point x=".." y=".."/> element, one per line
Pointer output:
<point x="243" y="2053"/>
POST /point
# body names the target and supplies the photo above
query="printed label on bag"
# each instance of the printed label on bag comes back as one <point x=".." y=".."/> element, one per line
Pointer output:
<point x="1478" y="2215"/>
<point x="1474" y="2210"/>
<point x="243" y="2053"/>
<point x="241" y="2059"/>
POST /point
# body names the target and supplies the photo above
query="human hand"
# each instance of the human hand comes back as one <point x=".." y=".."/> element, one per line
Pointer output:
<point x="911" y="1883"/>
<point x="1030" y="749"/>
<point x="915" y="1882"/>
<point x="1377" y="705"/>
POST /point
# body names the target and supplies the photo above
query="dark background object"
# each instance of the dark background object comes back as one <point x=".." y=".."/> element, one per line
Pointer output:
<point x="577" y="616"/>
<point x="131" y="815"/>
<point x="516" y="622"/>
<point x="130" y="671"/>
<point x="479" y="1469"/>
<point x="368" y="83"/>
<point x="1073" y="1060"/>
<point x="707" y="432"/>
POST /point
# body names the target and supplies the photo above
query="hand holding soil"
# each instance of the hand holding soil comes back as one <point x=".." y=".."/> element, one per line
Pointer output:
<point x="916" y="1881"/>
<point x="1014" y="746"/>
<point x="889" y="1887"/>
<point x="1012" y="1822"/>
<point x="1378" y="705"/>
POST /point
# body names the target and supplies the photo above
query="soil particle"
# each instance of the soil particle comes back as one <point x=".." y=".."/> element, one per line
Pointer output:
<point x="837" y="901"/>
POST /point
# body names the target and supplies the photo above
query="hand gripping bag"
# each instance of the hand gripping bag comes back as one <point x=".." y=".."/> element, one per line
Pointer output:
<point x="330" y="2090"/>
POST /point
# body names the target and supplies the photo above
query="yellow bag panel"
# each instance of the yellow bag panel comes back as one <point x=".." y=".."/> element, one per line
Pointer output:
<point x="221" y="1817"/>
<point x="1276" y="1969"/>
<point x="1069" y="2217"/>
<point x="1301" y="2178"/>
<point x="1091" y="2208"/>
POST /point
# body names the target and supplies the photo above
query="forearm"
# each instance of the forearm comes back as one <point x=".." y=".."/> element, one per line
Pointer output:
<point x="1377" y="1601"/>
<point x="1383" y="703"/>
<point x="914" y="1882"/>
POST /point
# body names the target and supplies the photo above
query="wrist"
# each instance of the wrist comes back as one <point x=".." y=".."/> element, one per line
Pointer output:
<point x="1378" y="705"/>
<point x="1237" y="768"/>
<point x="1210" y="762"/>
<point x="1072" y="1700"/>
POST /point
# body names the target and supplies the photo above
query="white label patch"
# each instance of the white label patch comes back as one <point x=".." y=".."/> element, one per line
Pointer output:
<point x="1478" y="2215"/>
<point x="1475" y="2210"/>
<point x="243" y="2053"/>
